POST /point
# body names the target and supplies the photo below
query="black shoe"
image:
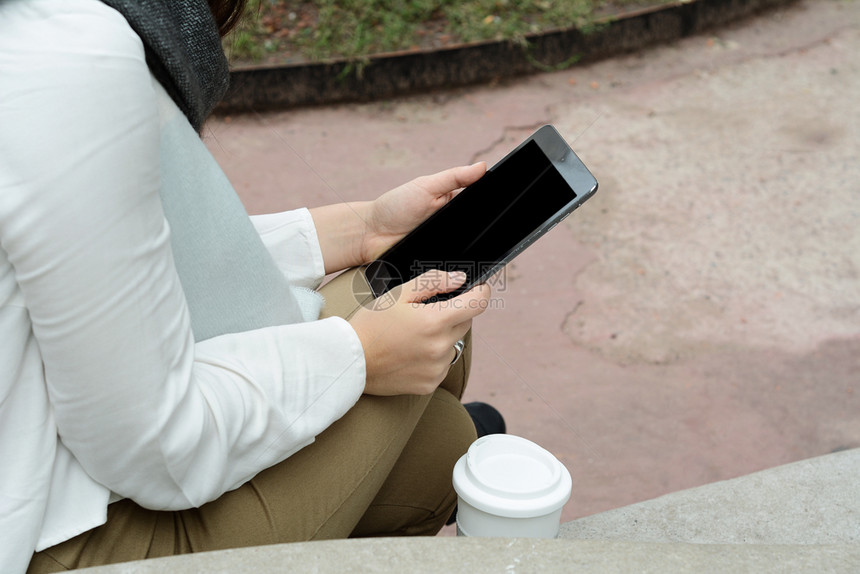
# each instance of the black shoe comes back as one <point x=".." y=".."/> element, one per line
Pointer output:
<point x="487" y="420"/>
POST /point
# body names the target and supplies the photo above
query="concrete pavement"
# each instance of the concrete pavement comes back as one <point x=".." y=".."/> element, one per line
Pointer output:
<point x="699" y="318"/>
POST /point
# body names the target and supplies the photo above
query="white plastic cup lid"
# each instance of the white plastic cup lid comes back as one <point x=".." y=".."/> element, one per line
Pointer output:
<point x="510" y="476"/>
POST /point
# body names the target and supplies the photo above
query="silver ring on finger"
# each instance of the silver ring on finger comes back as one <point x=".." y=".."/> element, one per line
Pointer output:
<point x="458" y="350"/>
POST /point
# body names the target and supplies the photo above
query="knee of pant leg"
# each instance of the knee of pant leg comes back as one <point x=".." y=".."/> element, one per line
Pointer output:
<point x="454" y="425"/>
<point x="419" y="496"/>
<point x="453" y="428"/>
<point x="455" y="433"/>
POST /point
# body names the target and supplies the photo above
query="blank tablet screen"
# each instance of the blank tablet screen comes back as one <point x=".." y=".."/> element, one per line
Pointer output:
<point x="481" y="225"/>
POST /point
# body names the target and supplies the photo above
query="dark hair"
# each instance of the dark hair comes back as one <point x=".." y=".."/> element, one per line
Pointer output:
<point x="227" y="14"/>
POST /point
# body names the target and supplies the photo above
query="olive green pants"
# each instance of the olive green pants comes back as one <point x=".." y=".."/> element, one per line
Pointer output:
<point x="384" y="469"/>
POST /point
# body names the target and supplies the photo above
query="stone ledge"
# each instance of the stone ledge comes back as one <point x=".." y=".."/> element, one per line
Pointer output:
<point x="495" y="555"/>
<point x="801" y="517"/>
<point x="813" y="501"/>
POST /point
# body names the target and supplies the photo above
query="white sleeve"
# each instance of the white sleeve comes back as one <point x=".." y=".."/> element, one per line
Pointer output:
<point x="291" y="238"/>
<point x="146" y="412"/>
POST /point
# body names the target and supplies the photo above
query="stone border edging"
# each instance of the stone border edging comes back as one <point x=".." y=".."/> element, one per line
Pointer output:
<point x="404" y="73"/>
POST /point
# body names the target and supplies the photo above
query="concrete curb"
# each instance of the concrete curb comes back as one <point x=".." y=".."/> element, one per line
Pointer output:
<point x="494" y="555"/>
<point x="388" y="75"/>
<point x="812" y="501"/>
<point x="800" y="517"/>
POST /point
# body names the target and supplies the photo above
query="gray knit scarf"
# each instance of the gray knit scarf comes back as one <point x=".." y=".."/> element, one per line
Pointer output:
<point x="183" y="50"/>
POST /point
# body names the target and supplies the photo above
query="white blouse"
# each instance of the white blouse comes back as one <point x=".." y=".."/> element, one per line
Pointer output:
<point x="102" y="387"/>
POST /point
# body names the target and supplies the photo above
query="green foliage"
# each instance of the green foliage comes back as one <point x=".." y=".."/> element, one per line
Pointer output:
<point x="353" y="29"/>
<point x="321" y="30"/>
<point x="246" y="41"/>
<point x="514" y="19"/>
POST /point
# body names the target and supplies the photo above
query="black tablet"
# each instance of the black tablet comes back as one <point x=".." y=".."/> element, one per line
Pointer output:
<point x="493" y="220"/>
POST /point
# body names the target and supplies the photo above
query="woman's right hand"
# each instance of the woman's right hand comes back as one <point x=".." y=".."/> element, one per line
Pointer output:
<point x="408" y="347"/>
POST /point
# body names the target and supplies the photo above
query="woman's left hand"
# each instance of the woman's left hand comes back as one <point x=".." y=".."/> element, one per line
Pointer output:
<point x="397" y="212"/>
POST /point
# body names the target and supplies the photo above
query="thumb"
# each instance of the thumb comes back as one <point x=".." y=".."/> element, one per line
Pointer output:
<point x="445" y="182"/>
<point x="431" y="283"/>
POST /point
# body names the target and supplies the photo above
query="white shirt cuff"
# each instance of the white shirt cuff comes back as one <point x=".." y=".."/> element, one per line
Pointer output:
<point x="291" y="238"/>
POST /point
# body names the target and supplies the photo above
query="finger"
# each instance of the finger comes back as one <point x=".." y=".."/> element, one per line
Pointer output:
<point x="460" y="329"/>
<point x="477" y="298"/>
<point x="467" y="305"/>
<point x="445" y="182"/>
<point x="431" y="283"/>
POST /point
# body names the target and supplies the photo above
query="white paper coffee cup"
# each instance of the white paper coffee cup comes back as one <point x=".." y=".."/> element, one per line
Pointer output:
<point x="510" y="487"/>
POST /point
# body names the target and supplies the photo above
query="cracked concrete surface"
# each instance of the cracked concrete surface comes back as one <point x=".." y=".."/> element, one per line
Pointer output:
<point x="699" y="318"/>
<point x="743" y="231"/>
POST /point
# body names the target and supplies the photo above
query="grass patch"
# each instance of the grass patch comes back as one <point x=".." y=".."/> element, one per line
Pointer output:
<point x="285" y="31"/>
